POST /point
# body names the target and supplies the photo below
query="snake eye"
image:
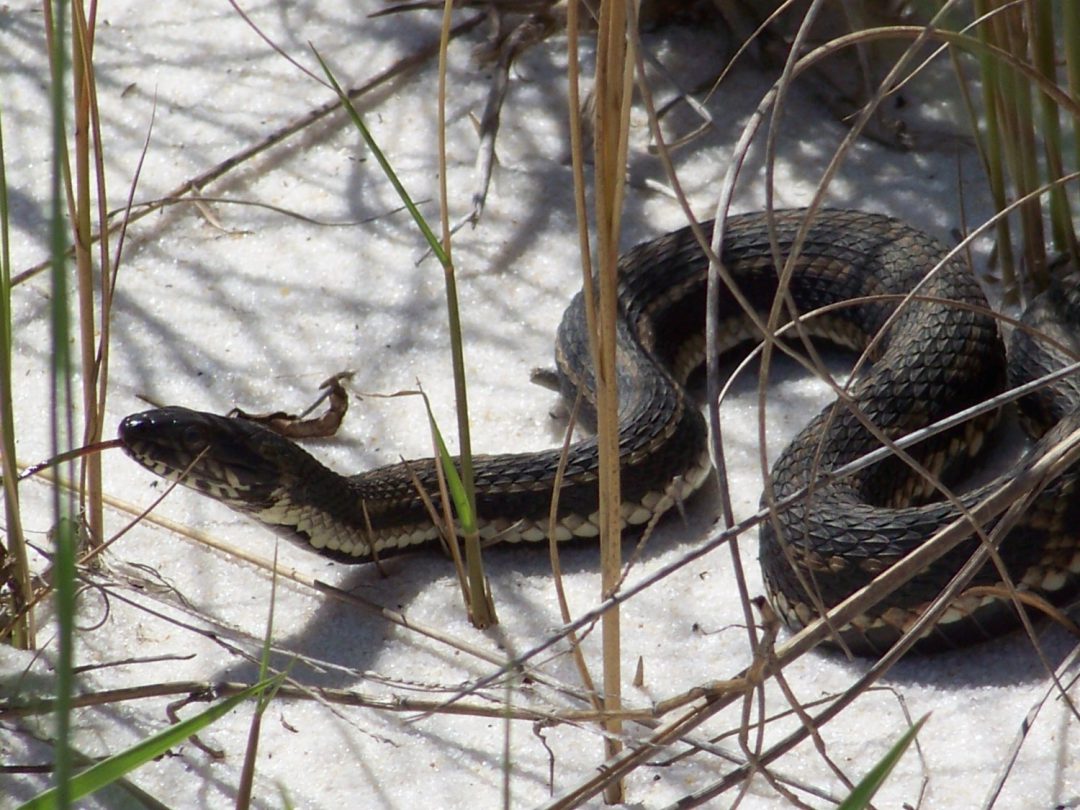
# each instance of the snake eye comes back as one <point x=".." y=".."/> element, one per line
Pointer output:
<point x="194" y="438"/>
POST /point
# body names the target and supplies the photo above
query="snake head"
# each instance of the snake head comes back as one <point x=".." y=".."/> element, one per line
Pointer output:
<point x="229" y="459"/>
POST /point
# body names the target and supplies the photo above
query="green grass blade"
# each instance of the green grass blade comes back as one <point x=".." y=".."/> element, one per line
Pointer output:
<point x="864" y="791"/>
<point x="480" y="609"/>
<point x="61" y="412"/>
<point x="119" y="765"/>
<point x="454" y="485"/>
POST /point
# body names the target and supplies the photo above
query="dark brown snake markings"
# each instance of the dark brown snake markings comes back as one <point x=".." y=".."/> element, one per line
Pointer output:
<point x="940" y="354"/>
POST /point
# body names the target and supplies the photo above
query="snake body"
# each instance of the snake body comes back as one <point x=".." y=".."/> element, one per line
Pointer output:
<point x="935" y="355"/>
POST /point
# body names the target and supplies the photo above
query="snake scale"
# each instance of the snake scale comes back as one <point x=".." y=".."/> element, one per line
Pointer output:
<point x="935" y="355"/>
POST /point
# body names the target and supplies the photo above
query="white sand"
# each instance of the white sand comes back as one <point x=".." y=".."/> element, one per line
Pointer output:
<point x="257" y="308"/>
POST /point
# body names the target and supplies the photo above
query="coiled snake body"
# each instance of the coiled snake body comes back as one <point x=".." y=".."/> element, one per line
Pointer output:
<point x="937" y="354"/>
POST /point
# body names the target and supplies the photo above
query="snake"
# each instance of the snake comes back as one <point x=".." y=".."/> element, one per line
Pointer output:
<point x="928" y="356"/>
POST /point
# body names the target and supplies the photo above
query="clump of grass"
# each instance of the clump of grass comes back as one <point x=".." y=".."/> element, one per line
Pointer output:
<point x="1027" y="136"/>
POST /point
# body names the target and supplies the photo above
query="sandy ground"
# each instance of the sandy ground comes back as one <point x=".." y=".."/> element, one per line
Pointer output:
<point x="253" y="307"/>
